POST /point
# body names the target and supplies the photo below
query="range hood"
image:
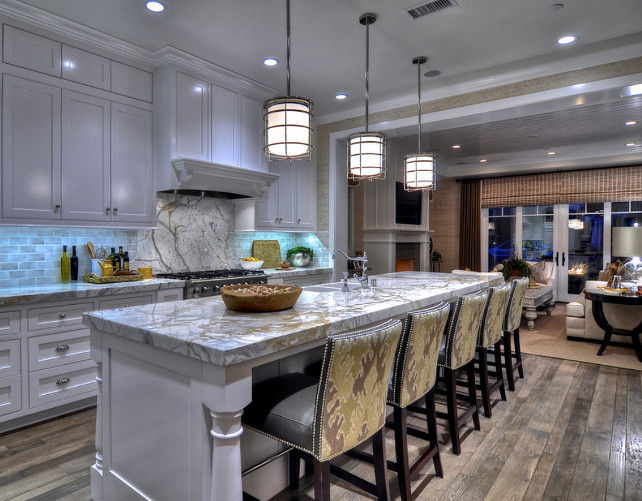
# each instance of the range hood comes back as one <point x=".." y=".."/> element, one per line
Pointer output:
<point x="219" y="180"/>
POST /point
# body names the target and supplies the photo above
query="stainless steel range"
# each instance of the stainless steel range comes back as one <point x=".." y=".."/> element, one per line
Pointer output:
<point x="209" y="283"/>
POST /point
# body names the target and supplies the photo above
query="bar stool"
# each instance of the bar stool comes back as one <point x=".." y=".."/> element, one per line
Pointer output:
<point x="490" y="334"/>
<point x="511" y="326"/>
<point x="414" y="375"/>
<point x="323" y="418"/>
<point x="459" y="353"/>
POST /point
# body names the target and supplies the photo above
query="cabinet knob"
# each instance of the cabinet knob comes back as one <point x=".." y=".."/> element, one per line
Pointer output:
<point x="62" y="315"/>
<point x="63" y="380"/>
<point x="56" y="208"/>
<point x="107" y="211"/>
<point x="298" y="221"/>
<point x="62" y="347"/>
<point x="276" y="219"/>
<point x="115" y="211"/>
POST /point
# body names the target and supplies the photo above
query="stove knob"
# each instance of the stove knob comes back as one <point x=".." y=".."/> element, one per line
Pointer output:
<point x="196" y="290"/>
<point x="205" y="289"/>
<point x="216" y="287"/>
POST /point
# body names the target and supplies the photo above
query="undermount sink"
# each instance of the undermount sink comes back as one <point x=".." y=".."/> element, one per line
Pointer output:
<point x="331" y="287"/>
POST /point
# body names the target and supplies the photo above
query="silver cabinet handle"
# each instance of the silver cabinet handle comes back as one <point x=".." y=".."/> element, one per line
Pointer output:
<point x="62" y="347"/>
<point x="63" y="380"/>
<point x="276" y="219"/>
<point x="56" y="208"/>
<point x="115" y="211"/>
<point x="298" y="221"/>
<point x="107" y="211"/>
<point x="62" y="315"/>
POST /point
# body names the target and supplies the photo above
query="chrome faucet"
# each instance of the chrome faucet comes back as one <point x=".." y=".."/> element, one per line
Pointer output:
<point x="363" y="280"/>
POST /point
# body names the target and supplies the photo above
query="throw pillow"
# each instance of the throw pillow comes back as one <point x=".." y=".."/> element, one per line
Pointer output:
<point x="538" y="272"/>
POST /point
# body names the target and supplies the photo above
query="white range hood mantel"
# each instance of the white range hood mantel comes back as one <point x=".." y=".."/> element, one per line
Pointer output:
<point x="208" y="176"/>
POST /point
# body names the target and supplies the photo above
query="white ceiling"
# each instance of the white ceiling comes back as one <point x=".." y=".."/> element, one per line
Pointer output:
<point x="474" y="44"/>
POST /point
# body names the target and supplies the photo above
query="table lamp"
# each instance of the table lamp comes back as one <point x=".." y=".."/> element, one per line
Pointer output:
<point x="627" y="242"/>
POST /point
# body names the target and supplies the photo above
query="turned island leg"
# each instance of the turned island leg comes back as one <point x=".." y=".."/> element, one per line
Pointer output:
<point x="531" y="316"/>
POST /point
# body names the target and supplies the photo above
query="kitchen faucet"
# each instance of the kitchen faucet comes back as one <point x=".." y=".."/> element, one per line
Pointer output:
<point x="363" y="280"/>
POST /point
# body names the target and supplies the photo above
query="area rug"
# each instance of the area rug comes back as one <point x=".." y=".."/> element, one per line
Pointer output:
<point x="549" y="339"/>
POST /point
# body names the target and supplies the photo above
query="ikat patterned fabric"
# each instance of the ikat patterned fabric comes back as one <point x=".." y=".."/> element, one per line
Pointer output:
<point x="514" y="313"/>
<point x="415" y="368"/>
<point x="351" y="397"/>
<point x="463" y="328"/>
<point x="492" y="322"/>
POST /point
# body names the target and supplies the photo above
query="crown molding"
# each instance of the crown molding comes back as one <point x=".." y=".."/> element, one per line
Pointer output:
<point x="74" y="31"/>
<point x="217" y="74"/>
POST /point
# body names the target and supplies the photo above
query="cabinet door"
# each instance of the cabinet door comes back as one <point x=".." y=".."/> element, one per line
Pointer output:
<point x="286" y="193"/>
<point x="267" y="209"/>
<point x="31" y="51"/>
<point x="192" y="117"/>
<point x="306" y="196"/>
<point x="252" y="141"/>
<point x="31" y="149"/>
<point x="226" y="127"/>
<point x="85" y="157"/>
<point x="85" y="68"/>
<point x="133" y="198"/>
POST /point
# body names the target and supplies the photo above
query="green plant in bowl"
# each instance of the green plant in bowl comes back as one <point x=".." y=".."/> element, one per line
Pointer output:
<point x="300" y="256"/>
<point x="516" y="266"/>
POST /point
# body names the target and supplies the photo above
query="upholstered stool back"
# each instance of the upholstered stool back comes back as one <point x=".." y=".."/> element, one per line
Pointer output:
<point x="415" y="368"/>
<point x="490" y="331"/>
<point x="462" y="330"/>
<point x="514" y="312"/>
<point x="351" y="396"/>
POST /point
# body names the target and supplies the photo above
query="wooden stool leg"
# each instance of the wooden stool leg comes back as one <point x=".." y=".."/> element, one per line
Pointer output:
<point x="498" y="370"/>
<point x="451" y="400"/>
<point x="321" y="480"/>
<point x="483" y="380"/>
<point x="472" y="392"/>
<point x="380" y="465"/>
<point x="508" y="361"/>
<point x="294" y="463"/>
<point x="431" y="420"/>
<point x="401" y="447"/>
<point x="518" y="353"/>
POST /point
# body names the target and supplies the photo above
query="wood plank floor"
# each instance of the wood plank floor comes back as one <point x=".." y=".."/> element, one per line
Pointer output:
<point x="570" y="431"/>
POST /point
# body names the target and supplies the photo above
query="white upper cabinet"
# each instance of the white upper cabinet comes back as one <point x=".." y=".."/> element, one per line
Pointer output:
<point x="34" y="52"/>
<point x="226" y="126"/>
<point x="133" y="198"/>
<point x="30" y="150"/>
<point x="86" y="68"/>
<point x="131" y="82"/>
<point x="252" y="139"/>
<point x="85" y="157"/>
<point x="192" y="118"/>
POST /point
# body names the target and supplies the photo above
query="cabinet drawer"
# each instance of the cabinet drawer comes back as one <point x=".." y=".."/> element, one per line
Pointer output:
<point x="86" y="68"/>
<point x="34" y="52"/>
<point x="169" y="295"/>
<point x="10" y="395"/>
<point x="9" y="323"/>
<point x="131" y="82"/>
<point x="9" y="357"/>
<point x="111" y="304"/>
<point x="65" y="315"/>
<point x="66" y="381"/>
<point x="58" y="349"/>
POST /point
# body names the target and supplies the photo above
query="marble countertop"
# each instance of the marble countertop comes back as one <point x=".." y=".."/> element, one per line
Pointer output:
<point x="297" y="272"/>
<point x="12" y="296"/>
<point x="204" y="329"/>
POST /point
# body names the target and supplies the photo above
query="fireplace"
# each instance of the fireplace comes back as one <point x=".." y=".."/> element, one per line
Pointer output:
<point x="407" y="256"/>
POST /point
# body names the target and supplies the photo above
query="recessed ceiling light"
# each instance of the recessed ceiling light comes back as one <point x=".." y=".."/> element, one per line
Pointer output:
<point x="456" y="146"/>
<point x="341" y="97"/>
<point x="155" y="6"/>
<point x="483" y="161"/>
<point x="550" y="153"/>
<point x="432" y="73"/>
<point x="630" y="145"/>
<point x="556" y="6"/>
<point x="567" y="39"/>
<point x="631" y="122"/>
<point x="270" y="61"/>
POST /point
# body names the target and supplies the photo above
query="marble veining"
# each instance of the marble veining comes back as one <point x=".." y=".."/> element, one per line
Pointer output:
<point x="12" y="296"/>
<point x="204" y="329"/>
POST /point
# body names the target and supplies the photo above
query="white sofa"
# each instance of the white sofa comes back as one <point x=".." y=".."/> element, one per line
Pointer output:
<point x="581" y="324"/>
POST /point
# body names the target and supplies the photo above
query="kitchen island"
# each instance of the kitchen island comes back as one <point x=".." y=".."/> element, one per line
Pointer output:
<point x="174" y="378"/>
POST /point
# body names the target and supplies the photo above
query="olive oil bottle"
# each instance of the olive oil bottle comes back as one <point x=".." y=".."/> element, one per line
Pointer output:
<point x="64" y="265"/>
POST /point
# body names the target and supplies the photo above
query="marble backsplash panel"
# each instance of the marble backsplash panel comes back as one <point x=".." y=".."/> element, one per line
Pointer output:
<point x="192" y="233"/>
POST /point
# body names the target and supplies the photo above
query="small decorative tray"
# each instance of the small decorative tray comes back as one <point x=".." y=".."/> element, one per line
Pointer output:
<point x="615" y="292"/>
<point x="92" y="278"/>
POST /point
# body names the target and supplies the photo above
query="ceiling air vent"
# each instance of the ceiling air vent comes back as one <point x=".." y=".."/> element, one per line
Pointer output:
<point x="424" y="9"/>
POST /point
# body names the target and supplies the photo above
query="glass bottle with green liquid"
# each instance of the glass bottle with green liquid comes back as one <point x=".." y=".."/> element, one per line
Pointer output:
<point x="64" y="265"/>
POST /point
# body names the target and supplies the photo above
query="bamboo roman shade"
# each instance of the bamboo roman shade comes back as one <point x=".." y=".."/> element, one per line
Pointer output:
<point x="616" y="184"/>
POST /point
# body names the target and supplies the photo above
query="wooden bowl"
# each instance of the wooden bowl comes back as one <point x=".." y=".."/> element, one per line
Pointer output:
<point x="246" y="297"/>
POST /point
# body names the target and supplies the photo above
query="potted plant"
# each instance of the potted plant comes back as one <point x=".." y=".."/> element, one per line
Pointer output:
<point x="300" y="256"/>
<point x="515" y="266"/>
<point x="435" y="256"/>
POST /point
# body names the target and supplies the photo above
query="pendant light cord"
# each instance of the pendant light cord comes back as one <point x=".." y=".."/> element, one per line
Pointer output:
<point x="367" y="66"/>
<point x="419" y="106"/>
<point x="287" y="9"/>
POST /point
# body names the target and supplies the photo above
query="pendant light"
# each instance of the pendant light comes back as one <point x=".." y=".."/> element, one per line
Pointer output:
<point x="419" y="168"/>
<point x="367" y="150"/>
<point x="288" y="129"/>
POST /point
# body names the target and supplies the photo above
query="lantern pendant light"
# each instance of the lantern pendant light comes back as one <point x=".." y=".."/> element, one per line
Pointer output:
<point x="367" y="150"/>
<point x="419" y="168"/>
<point x="288" y="128"/>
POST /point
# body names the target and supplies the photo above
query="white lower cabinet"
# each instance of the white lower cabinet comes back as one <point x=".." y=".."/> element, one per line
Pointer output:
<point x="303" y="280"/>
<point x="45" y="364"/>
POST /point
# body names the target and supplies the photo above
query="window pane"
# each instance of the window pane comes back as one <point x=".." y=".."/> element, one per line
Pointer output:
<point x="509" y="211"/>
<point x="495" y="211"/>
<point x="576" y="208"/>
<point x="537" y="238"/>
<point x="545" y="209"/>
<point x="596" y="207"/>
<point x="529" y="210"/>
<point x="585" y="240"/>
<point x="501" y="239"/>
<point x="636" y="206"/>
<point x="620" y="206"/>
